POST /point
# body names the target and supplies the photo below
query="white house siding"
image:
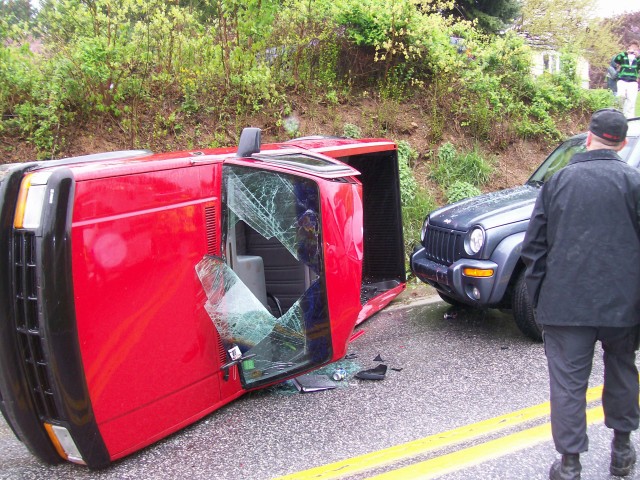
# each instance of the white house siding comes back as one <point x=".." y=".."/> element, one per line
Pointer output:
<point x="549" y="61"/>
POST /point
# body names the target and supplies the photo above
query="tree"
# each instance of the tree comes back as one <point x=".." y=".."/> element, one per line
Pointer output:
<point x="555" y="23"/>
<point x="16" y="11"/>
<point x="493" y="16"/>
<point x="626" y="27"/>
<point x="568" y="24"/>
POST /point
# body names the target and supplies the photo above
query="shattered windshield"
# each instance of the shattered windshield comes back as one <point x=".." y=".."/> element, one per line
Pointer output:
<point x="266" y="295"/>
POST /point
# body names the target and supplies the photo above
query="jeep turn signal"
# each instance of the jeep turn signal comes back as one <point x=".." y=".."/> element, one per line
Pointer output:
<point x="478" y="272"/>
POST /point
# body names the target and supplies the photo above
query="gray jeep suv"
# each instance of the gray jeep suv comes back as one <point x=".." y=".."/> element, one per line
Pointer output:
<point x="470" y="250"/>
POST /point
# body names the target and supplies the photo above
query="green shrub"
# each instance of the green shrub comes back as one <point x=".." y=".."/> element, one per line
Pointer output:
<point x="408" y="185"/>
<point x="352" y="131"/>
<point x="599" y="98"/>
<point x="459" y="190"/>
<point x="468" y="167"/>
<point x="233" y="58"/>
<point x="414" y="212"/>
<point x="416" y="202"/>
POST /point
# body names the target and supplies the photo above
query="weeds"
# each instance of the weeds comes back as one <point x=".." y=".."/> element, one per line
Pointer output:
<point x="244" y="61"/>
<point x="469" y="167"/>
<point x="413" y="215"/>
<point x="460" y="190"/>
<point x="416" y="201"/>
<point x="408" y="185"/>
<point x="352" y="131"/>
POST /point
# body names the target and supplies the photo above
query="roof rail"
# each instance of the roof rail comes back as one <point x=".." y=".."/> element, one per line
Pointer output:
<point x="117" y="155"/>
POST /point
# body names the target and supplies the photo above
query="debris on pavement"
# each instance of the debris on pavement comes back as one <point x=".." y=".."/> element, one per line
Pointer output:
<point x="339" y="374"/>
<point x="377" y="373"/>
<point x="313" y="383"/>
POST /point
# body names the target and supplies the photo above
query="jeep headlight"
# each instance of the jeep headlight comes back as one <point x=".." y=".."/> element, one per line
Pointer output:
<point x="474" y="241"/>
<point x="423" y="233"/>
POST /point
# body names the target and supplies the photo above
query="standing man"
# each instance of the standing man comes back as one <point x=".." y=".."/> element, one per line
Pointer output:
<point x="582" y="252"/>
<point x="628" y="68"/>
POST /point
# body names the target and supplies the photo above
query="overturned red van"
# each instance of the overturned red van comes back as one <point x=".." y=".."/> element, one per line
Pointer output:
<point x="139" y="292"/>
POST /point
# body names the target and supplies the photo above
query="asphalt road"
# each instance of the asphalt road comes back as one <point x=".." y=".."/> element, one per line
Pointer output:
<point x="447" y="378"/>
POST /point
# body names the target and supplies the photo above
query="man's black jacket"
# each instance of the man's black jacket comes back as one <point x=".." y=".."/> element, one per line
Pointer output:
<point x="582" y="247"/>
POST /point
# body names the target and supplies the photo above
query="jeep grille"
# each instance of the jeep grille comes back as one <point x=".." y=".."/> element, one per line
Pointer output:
<point x="443" y="245"/>
<point x="29" y="334"/>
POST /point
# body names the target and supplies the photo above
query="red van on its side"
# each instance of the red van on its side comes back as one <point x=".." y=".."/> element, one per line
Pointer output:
<point x="139" y="292"/>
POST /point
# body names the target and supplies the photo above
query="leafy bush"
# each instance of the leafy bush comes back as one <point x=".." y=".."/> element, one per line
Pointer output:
<point x="409" y="44"/>
<point x="416" y="202"/>
<point x="497" y="88"/>
<point x="368" y="22"/>
<point x="408" y="185"/>
<point x="598" y="98"/>
<point x="303" y="48"/>
<point x="352" y="131"/>
<point x="413" y="214"/>
<point x="469" y="167"/>
<point x="34" y="99"/>
<point x="232" y="58"/>
<point x="459" y="190"/>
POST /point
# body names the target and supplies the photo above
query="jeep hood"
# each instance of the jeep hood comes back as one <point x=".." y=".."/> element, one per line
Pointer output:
<point x="489" y="210"/>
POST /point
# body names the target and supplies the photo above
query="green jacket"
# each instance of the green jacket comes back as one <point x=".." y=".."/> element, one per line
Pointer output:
<point x="628" y="70"/>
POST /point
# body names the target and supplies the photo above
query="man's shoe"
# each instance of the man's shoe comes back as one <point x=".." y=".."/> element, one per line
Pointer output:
<point x="623" y="455"/>
<point x="566" y="468"/>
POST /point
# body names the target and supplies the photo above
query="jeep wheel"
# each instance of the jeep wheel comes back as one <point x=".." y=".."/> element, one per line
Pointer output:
<point x="449" y="300"/>
<point x="523" y="311"/>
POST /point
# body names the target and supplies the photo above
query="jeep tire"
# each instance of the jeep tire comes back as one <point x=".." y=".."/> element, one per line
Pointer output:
<point x="523" y="310"/>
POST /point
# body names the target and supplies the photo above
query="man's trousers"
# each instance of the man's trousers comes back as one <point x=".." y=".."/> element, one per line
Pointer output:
<point x="569" y="353"/>
<point x="627" y="94"/>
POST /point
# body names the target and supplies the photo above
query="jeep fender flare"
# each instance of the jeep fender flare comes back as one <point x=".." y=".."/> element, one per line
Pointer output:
<point x="506" y="256"/>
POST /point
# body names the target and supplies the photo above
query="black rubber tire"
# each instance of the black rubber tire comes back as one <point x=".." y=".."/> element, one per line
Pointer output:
<point x="523" y="311"/>
<point x="449" y="300"/>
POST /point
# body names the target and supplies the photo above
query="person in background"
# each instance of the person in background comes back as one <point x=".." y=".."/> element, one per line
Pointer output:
<point x="582" y="251"/>
<point x="628" y="69"/>
<point x="612" y="77"/>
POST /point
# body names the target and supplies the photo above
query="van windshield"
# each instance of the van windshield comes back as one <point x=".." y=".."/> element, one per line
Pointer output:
<point x="266" y="295"/>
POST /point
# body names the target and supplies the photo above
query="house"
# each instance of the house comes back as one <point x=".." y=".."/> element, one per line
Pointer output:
<point x="549" y="61"/>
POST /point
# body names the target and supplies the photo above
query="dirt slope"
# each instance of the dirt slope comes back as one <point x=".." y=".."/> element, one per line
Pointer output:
<point x="409" y="122"/>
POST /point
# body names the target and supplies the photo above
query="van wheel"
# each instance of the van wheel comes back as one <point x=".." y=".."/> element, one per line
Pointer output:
<point x="449" y="300"/>
<point x="523" y="311"/>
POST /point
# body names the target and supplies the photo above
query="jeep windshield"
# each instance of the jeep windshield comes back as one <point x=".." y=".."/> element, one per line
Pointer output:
<point x="561" y="156"/>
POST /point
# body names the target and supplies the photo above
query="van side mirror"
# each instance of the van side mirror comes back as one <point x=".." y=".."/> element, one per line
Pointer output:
<point x="249" y="142"/>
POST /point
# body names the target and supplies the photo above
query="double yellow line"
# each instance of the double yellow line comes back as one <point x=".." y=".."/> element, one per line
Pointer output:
<point x="454" y="461"/>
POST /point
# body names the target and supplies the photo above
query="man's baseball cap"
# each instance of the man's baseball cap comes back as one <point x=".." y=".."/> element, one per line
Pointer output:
<point x="609" y="124"/>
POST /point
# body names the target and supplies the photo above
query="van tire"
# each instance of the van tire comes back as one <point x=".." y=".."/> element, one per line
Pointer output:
<point x="523" y="311"/>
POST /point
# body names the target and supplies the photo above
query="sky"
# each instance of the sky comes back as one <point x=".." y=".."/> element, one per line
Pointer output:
<point x="609" y="8"/>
